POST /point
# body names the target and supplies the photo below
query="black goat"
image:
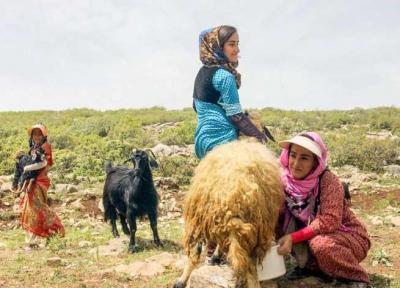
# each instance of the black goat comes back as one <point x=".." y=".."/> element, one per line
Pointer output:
<point x="130" y="193"/>
<point x="23" y="180"/>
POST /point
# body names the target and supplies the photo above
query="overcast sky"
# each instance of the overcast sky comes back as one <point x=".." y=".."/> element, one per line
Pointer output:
<point x="60" y="54"/>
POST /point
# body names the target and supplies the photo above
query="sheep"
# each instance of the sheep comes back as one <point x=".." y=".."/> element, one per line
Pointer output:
<point x="257" y="121"/>
<point x="27" y="167"/>
<point x="130" y="193"/>
<point x="233" y="201"/>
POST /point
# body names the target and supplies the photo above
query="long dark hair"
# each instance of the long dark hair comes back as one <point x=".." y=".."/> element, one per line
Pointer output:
<point x="225" y="32"/>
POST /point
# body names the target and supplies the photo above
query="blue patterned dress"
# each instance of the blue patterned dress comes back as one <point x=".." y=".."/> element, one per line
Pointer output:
<point x="213" y="125"/>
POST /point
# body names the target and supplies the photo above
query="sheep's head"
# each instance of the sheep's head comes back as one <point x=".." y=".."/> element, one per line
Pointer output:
<point x="143" y="158"/>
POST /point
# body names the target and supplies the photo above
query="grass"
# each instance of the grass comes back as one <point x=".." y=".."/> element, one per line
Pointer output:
<point x="78" y="264"/>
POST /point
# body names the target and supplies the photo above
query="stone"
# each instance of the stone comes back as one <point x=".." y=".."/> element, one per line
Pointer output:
<point x="114" y="247"/>
<point x="165" y="259"/>
<point x="84" y="243"/>
<point x="212" y="277"/>
<point x="392" y="170"/>
<point x="100" y="205"/>
<point x="141" y="269"/>
<point x="6" y="187"/>
<point x="65" y="188"/>
<point x="77" y="204"/>
<point x="376" y="220"/>
<point x="381" y="135"/>
<point x="395" y="221"/>
<point x="161" y="150"/>
<point x="54" y="261"/>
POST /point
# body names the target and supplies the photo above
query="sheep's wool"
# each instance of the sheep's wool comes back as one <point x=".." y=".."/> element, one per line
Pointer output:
<point x="235" y="196"/>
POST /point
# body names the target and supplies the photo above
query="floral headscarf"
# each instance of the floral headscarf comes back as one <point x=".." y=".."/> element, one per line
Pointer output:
<point x="301" y="194"/>
<point x="212" y="54"/>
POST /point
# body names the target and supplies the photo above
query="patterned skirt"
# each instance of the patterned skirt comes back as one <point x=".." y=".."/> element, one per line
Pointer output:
<point x="36" y="215"/>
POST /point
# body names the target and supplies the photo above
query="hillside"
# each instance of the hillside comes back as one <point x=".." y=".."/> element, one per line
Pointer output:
<point x="364" y="149"/>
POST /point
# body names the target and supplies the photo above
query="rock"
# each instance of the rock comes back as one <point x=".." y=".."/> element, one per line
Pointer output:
<point x="392" y="170"/>
<point x="161" y="150"/>
<point x="395" y="221"/>
<point x="65" y="188"/>
<point x="141" y="269"/>
<point x="54" y="261"/>
<point x="77" y="204"/>
<point x="376" y="220"/>
<point x="180" y="263"/>
<point x="100" y="205"/>
<point x="16" y="208"/>
<point x="166" y="183"/>
<point x="165" y="259"/>
<point x="6" y="178"/>
<point x="114" y="247"/>
<point x="219" y="277"/>
<point x="84" y="243"/>
<point x="381" y="135"/>
<point x="6" y="187"/>
<point x="212" y="276"/>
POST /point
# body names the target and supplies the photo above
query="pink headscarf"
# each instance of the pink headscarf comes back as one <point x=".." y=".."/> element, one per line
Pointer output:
<point x="304" y="191"/>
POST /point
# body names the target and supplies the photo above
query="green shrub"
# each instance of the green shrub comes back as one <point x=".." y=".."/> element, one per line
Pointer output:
<point x="178" y="167"/>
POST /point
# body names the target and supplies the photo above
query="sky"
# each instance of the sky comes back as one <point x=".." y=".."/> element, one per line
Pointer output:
<point x="302" y="55"/>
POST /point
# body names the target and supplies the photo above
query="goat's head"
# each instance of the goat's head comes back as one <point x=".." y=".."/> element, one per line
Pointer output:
<point x="143" y="158"/>
<point x="38" y="155"/>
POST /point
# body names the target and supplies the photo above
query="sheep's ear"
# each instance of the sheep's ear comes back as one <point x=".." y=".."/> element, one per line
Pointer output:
<point x="268" y="134"/>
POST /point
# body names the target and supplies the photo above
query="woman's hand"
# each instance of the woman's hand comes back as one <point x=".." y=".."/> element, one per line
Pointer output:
<point x="285" y="245"/>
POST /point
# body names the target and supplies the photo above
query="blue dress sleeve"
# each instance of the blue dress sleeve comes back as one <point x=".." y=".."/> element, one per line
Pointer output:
<point x="224" y="82"/>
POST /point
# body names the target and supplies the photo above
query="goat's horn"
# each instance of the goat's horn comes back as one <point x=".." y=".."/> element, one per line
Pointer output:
<point x="151" y="152"/>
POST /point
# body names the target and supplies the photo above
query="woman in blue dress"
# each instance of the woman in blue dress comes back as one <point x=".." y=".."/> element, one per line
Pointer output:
<point x="215" y="95"/>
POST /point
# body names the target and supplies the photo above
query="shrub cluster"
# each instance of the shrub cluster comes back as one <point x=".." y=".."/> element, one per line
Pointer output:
<point x="83" y="139"/>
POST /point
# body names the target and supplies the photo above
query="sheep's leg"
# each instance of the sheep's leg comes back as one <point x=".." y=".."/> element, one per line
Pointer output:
<point x="193" y="260"/>
<point x="132" y="225"/>
<point x="124" y="225"/>
<point x="242" y="264"/>
<point x="153" y="225"/>
<point x="217" y="257"/>
<point x="251" y="276"/>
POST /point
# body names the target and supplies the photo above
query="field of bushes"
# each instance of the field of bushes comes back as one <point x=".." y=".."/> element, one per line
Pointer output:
<point x="82" y="138"/>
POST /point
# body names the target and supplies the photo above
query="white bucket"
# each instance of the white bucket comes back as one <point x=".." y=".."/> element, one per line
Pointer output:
<point x="272" y="266"/>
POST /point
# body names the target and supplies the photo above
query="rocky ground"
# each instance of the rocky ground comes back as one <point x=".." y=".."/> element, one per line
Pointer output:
<point x="89" y="257"/>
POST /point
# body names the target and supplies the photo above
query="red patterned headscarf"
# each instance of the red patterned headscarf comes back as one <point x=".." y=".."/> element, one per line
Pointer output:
<point x="301" y="194"/>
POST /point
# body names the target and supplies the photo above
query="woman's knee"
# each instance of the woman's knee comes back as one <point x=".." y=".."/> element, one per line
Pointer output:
<point x="320" y="245"/>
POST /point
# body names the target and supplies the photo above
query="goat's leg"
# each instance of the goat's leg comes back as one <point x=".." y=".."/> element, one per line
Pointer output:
<point x="132" y="225"/>
<point x="30" y="183"/>
<point x="114" y="229"/>
<point x="153" y="225"/>
<point x="124" y="225"/>
<point x="193" y="260"/>
<point x="111" y="213"/>
<point x="22" y="186"/>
